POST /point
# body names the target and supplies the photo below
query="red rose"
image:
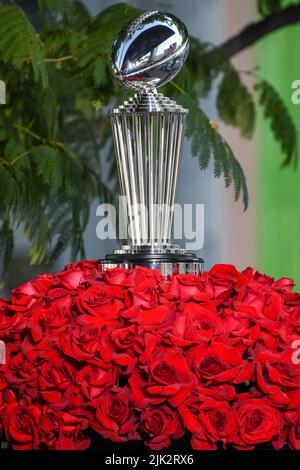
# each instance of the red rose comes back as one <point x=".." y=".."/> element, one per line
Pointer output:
<point x="1" y="426"/>
<point x="263" y="279"/>
<point x="110" y="354"/>
<point x="120" y="277"/>
<point x="82" y="343"/>
<point x="146" y="294"/>
<point x="93" y="380"/>
<point x="284" y="285"/>
<point x="74" y="274"/>
<point x="114" y="417"/>
<point x="258" y="422"/>
<point x="60" y="296"/>
<point x="54" y="379"/>
<point x="186" y="287"/>
<point x="78" y="441"/>
<point x="132" y="277"/>
<point x="20" y="423"/>
<point x="137" y="356"/>
<point x="128" y="339"/>
<point x="123" y="346"/>
<point x="240" y="326"/>
<point x="11" y="322"/>
<point x="50" y="427"/>
<point x="223" y="279"/>
<point x="22" y="375"/>
<point x="208" y="417"/>
<point x="99" y="302"/>
<point x="71" y="437"/>
<point x="165" y="376"/>
<point x="195" y="324"/>
<point x="156" y="318"/>
<point x="292" y="300"/>
<point x="219" y="363"/>
<point x="276" y="373"/>
<point x="3" y="380"/>
<point x="268" y="303"/>
<point x="142" y="274"/>
<point x="219" y="421"/>
<point x="159" y="425"/>
<point x="32" y="294"/>
<point x="289" y="420"/>
<point x="292" y="418"/>
<point x="218" y="424"/>
<point x="50" y="322"/>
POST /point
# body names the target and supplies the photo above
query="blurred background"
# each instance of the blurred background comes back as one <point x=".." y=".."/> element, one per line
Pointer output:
<point x="267" y="234"/>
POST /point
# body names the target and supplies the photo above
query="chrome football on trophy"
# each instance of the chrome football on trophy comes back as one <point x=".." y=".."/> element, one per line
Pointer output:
<point x="148" y="132"/>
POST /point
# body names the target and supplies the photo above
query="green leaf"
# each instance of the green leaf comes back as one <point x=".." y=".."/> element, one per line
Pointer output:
<point x="207" y="144"/>
<point x="49" y="112"/>
<point x="49" y="164"/>
<point x="2" y="92"/>
<point x="7" y="187"/>
<point x="62" y="242"/>
<point x="40" y="240"/>
<point x="54" y="6"/>
<point x="7" y="245"/>
<point x="235" y="104"/>
<point x="56" y="154"/>
<point x="101" y="32"/>
<point x="282" y="124"/>
<point x="267" y="7"/>
<point x="100" y="71"/>
<point x="19" y="42"/>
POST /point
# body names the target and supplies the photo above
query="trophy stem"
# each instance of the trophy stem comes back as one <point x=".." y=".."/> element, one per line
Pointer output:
<point x="148" y="134"/>
<point x="150" y="178"/>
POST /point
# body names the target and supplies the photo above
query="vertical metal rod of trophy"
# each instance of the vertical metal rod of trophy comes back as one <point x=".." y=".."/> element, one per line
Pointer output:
<point x="139" y="159"/>
<point x="170" y="181"/>
<point x="177" y="158"/>
<point x="134" y="198"/>
<point x="121" y="156"/>
<point x="161" y="174"/>
<point x="168" y="177"/>
<point x="150" y="184"/>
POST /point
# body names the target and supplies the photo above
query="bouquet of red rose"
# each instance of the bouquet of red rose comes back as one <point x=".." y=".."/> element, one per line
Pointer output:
<point x="134" y="356"/>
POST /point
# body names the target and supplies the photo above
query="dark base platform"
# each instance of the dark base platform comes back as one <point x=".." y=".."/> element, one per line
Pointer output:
<point x="167" y="263"/>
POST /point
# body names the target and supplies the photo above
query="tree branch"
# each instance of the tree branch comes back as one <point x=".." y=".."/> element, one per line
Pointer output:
<point x="255" y="31"/>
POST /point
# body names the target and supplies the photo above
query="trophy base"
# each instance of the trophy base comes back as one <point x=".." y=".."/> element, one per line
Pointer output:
<point x="168" y="259"/>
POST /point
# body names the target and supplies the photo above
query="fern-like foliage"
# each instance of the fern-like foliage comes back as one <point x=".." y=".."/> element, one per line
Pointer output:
<point x="55" y="135"/>
<point x="235" y="103"/>
<point x="267" y="7"/>
<point x="19" y="42"/>
<point x="93" y="45"/>
<point x="208" y="145"/>
<point x="2" y="92"/>
<point x="281" y="122"/>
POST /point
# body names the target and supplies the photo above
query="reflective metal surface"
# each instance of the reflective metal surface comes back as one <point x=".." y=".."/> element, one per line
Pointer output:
<point x="150" y="50"/>
<point x="167" y="269"/>
<point x="148" y="131"/>
<point x="149" y="101"/>
<point x="148" y="146"/>
<point x="149" y="249"/>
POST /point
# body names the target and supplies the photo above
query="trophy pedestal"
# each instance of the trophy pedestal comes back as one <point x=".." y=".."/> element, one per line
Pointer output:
<point x="168" y="259"/>
<point x="148" y="133"/>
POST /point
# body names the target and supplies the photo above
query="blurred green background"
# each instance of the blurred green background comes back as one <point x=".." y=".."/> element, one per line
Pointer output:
<point x="278" y="189"/>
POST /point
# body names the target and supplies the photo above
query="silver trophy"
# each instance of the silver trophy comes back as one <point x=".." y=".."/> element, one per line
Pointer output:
<point x="148" y="132"/>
